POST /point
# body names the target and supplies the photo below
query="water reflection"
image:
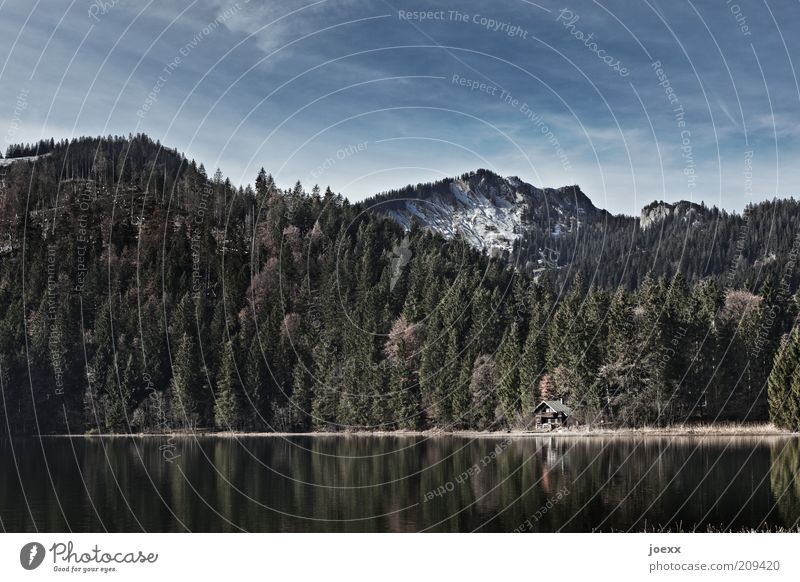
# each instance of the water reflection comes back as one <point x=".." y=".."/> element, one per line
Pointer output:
<point x="357" y="483"/>
<point x="785" y="479"/>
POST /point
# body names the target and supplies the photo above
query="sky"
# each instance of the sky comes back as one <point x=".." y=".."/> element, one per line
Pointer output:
<point x="633" y="101"/>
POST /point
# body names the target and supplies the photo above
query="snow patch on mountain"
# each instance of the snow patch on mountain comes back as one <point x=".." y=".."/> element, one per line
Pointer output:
<point x="4" y="162"/>
<point x="489" y="211"/>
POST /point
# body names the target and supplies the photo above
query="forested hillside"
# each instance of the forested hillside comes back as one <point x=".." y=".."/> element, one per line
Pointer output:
<point x="139" y="294"/>
<point x="736" y="250"/>
<point x="560" y="230"/>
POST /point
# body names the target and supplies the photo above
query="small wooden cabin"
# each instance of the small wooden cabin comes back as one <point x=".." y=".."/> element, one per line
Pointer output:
<point x="552" y="414"/>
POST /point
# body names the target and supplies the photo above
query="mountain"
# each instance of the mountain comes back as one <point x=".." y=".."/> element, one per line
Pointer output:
<point x="157" y="297"/>
<point x="560" y="230"/>
<point x="655" y="212"/>
<point x="491" y="212"/>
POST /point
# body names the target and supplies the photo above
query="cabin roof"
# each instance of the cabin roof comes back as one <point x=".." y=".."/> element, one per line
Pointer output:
<point x="557" y="406"/>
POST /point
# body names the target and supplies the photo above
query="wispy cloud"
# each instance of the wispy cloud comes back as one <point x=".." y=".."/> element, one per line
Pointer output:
<point x="286" y="84"/>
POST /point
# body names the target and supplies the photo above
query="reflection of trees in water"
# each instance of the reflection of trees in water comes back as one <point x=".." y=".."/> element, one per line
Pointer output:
<point x="784" y="478"/>
<point x="380" y="484"/>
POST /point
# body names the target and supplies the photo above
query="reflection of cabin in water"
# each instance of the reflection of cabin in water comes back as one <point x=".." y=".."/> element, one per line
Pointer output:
<point x="552" y="414"/>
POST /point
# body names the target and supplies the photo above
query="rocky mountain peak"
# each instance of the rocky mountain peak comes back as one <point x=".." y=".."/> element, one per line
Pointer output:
<point x="490" y="211"/>
<point x="657" y="211"/>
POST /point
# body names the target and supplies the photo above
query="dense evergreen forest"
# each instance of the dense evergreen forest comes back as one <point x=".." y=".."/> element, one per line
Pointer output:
<point x="139" y="294"/>
<point x="21" y="150"/>
<point x="562" y="230"/>
<point x="741" y="250"/>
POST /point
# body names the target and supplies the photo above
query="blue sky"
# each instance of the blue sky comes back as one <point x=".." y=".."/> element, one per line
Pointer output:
<point x="367" y="95"/>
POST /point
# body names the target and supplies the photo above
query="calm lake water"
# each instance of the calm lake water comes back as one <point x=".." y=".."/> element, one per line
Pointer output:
<point x="358" y="483"/>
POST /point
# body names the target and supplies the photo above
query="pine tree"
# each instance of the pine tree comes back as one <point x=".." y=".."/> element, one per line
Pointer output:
<point x="404" y="392"/>
<point x="256" y="382"/>
<point x="534" y="352"/>
<point x="621" y="327"/>
<point x="482" y="390"/>
<point x="186" y="385"/>
<point x="265" y="187"/>
<point x="328" y="373"/>
<point x="483" y="334"/>
<point x="302" y="396"/>
<point x="118" y="397"/>
<point x="567" y="346"/>
<point x="508" y="358"/>
<point x="530" y="372"/>
<point x="228" y="413"/>
<point x="353" y="409"/>
<point x="706" y="301"/>
<point x="784" y="383"/>
<point x="432" y="378"/>
<point x="460" y="401"/>
<point x="594" y="396"/>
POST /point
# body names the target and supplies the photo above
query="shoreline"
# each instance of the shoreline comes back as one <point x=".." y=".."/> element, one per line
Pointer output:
<point x="732" y="430"/>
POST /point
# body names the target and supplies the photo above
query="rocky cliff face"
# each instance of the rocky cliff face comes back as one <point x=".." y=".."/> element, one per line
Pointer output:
<point x="655" y="212"/>
<point x="490" y="211"/>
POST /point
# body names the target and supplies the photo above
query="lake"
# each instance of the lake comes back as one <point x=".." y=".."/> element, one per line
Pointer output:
<point x="399" y="484"/>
